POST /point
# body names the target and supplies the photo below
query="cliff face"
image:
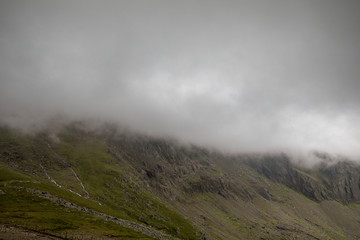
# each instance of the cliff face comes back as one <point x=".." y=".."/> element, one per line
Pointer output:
<point x="169" y="190"/>
<point x="343" y="181"/>
<point x="339" y="181"/>
<point x="279" y="169"/>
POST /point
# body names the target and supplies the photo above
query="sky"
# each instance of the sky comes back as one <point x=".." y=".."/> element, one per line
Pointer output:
<point x="245" y="75"/>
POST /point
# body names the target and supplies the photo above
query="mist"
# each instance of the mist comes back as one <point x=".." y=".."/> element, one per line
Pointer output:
<point x="235" y="75"/>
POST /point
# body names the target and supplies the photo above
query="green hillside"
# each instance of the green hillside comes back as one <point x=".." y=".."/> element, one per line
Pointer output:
<point x="75" y="183"/>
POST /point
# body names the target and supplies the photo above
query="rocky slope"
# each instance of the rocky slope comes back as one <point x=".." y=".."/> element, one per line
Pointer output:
<point x="163" y="189"/>
<point x="338" y="181"/>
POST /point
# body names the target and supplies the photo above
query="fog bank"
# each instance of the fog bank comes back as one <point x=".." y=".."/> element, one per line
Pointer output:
<point x="237" y="75"/>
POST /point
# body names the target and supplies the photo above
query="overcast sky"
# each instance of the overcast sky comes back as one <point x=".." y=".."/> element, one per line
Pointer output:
<point x="239" y="75"/>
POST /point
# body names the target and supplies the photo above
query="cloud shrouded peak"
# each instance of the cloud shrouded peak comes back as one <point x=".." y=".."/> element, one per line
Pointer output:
<point x="238" y="75"/>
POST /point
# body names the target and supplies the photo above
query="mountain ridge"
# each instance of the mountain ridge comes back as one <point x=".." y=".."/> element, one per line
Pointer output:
<point x="185" y="191"/>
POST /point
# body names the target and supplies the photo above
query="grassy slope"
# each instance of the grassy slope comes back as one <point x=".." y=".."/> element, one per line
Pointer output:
<point x="102" y="176"/>
<point x="115" y="182"/>
<point x="288" y="215"/>
<point x="20" y="208"/>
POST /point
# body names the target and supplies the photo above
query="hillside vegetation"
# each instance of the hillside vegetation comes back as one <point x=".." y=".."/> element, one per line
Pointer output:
<point x="75" y="183"/>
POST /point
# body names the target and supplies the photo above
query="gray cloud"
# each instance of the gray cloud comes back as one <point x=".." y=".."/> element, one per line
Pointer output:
<point x="239" y="75"/>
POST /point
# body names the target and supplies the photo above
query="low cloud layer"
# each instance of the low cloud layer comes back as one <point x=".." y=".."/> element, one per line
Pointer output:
<point x="237" y="75"/>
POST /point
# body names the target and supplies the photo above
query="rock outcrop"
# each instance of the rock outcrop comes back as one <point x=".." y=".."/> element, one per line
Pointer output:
<point x="339" y="181"/>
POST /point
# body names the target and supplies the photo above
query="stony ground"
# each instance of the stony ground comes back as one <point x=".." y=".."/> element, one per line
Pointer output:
<point x="15" y="233"/>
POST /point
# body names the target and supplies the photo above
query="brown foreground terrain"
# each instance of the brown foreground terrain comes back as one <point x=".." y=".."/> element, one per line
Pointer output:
<point x="17" y="233"/>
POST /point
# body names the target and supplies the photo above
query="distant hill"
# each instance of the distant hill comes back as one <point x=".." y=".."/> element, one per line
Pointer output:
<point x="107" y="184"/>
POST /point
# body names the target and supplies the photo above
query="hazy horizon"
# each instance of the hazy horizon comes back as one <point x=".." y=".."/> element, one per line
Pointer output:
<point x="236" y="75"/>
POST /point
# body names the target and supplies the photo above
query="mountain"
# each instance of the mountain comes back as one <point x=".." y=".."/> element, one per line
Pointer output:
<point x="74" y="182"/>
